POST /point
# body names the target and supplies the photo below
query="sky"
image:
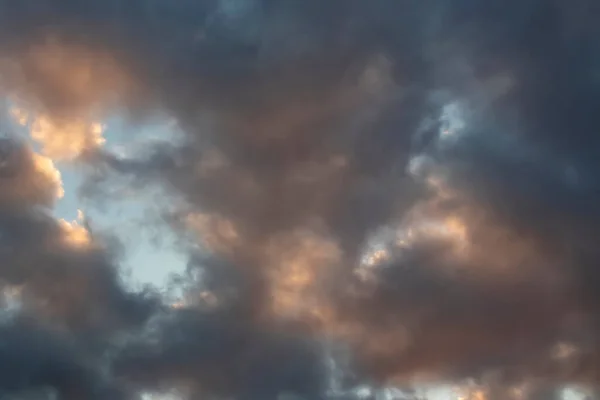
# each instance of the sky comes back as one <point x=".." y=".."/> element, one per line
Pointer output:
<point x="145" y="261"/>
<point x="275" y="199"/>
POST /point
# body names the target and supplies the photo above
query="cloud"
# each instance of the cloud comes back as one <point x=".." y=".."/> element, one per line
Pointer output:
<point x="67" y="272"/>
<point x="416" y="181"/>
<point x="220" y="353"/>
<point x="60" y="275"/>
<point x="44" y="360"/>
<point x="28" y="178"/>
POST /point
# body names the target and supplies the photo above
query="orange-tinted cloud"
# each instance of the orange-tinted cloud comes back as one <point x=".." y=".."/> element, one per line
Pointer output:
<point x="300" y="122"/>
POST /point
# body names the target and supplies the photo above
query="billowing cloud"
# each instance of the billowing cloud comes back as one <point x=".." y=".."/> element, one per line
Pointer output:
<point x="28" y="178"/>
<point x="414" y="182"/>
<point x="56" y="273"/>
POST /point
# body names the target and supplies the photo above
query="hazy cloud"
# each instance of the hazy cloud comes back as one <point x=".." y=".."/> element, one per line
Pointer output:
<point x="415" y="181"/>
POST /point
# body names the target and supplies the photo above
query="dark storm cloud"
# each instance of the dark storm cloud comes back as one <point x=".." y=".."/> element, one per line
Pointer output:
<point x="77" y="286"/>
<point x="301" y="120"/>
<point x="41" y="361"/>
<point x="219" y="353"/>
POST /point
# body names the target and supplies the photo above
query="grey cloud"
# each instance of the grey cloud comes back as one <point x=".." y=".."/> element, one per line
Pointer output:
<point x="303" y="116"/>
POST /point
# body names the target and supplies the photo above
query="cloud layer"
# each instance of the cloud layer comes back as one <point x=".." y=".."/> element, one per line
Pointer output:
<point x="412" y="185"/>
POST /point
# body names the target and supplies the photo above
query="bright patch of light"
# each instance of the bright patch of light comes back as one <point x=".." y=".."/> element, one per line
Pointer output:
<point x="160" y="396"/>
<point x="299" y="261"/>
<point x="452" y="120"/>
<point x="75" y="234"/>
<point x="376" y="253"/>
<point x="363" y="392"/>
<point x="65" y="140"/>
<point x="470" y="391"/>
<point x="11" y="298"/>
<point x="45" y="166"/>
<point x="563" y="351"/>
<point x="575" y="393"/>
